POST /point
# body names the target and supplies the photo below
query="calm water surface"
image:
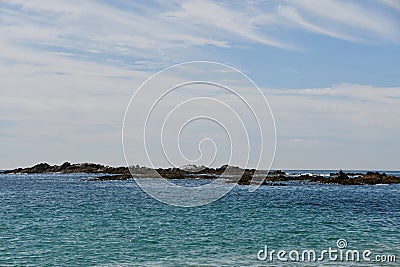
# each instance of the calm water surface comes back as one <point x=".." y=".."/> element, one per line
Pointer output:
<point x="65" y="220"/>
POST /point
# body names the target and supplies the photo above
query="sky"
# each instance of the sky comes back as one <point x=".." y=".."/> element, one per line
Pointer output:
<point x="330" y="71"/>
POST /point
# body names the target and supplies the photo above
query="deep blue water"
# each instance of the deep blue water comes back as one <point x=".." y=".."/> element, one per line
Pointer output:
<point x="65" y="220"/>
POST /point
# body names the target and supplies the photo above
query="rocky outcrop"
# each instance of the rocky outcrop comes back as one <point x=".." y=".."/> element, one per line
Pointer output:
<point x="67" y="167"/>
<point x="369" y="178"/>
<point x="233" y="174"/>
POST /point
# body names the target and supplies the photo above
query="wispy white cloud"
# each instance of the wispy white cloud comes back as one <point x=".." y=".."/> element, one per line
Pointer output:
<point x="95" y="31"/>
<point x="392" y="3"/>
<point x="293" y="16"/>
<point x="345" y="20"/>
<point x="169" y="31"/>
<point x="243" y="22"/>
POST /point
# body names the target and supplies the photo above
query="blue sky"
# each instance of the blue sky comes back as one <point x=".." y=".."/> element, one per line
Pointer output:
<point x="330" y="70"/>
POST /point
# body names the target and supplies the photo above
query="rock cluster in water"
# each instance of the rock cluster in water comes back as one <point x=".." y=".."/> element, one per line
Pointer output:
<point x="67" y="167"/>
<point x="232" y="174"/>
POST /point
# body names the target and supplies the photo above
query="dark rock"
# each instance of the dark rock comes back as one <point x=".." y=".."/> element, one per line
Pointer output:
<point x="67" y="167"/>
<point x="39" y="168"/>
<point x="276" y="173"/>
<point x="234" y="174"/>
<point x="111" y="177"/>
<point x="342" y="176"/>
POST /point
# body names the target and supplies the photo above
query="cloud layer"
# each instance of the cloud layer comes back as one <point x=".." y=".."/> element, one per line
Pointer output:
<point x="68" y="69"/>
<point x="138" y="32"/>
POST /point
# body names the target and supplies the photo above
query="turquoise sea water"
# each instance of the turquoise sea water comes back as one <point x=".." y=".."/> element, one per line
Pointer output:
<point x="65" y="220"/>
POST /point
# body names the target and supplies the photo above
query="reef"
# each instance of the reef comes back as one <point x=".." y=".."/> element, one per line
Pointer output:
<point x="230" y="173"/>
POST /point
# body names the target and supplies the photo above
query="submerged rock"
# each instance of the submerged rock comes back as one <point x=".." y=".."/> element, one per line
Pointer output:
<point x="111" y="177"/>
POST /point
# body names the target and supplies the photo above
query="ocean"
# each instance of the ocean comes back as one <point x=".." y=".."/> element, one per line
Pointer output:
<point x="66" y="220"/>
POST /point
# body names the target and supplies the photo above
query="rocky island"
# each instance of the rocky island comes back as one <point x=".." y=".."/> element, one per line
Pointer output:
<point x="275" y="177"/>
